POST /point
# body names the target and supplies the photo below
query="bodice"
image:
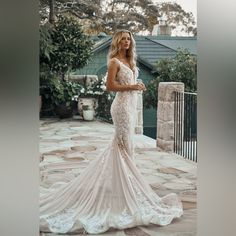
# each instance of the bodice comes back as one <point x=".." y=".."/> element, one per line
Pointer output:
<point x="126" y="75"/>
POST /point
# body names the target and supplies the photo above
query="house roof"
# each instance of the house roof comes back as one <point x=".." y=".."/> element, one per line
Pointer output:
<point x="152" y="48"/>
<point x="177" y="42"/>
<point x="102" y="43"/>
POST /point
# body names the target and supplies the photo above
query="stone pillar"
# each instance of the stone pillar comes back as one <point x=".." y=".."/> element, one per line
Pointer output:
<point x="165" y="114"/>
<point x="139" y="117"/>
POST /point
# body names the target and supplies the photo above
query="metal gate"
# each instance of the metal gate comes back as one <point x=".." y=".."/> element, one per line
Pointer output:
<point x="185" y="125"/>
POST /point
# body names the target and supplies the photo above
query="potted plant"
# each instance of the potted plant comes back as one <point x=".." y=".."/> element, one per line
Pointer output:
<point x="88" y="112"/>
<point x="63" y="92"/>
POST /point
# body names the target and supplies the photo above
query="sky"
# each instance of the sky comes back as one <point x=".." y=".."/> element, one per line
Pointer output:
<point x="187" y="5"/>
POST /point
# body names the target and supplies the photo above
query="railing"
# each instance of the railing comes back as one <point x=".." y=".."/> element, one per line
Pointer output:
<point x="185" y="125"/>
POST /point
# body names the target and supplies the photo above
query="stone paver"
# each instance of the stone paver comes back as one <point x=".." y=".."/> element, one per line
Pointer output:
<point x="76" y="142"/>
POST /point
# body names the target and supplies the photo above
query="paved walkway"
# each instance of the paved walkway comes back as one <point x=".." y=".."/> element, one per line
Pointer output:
<point x="76" y="142"/>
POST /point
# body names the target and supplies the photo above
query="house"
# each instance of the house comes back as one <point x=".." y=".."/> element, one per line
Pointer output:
<point x="149" y="50"/>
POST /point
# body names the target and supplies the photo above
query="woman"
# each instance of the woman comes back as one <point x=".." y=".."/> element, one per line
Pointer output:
<point x="110" y="192"/>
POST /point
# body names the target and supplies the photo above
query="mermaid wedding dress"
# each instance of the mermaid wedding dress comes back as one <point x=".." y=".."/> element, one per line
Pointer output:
<point x="110" y="192"/>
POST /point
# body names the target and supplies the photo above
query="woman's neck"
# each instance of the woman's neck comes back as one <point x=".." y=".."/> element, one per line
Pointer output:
<point x="122" y="54"/>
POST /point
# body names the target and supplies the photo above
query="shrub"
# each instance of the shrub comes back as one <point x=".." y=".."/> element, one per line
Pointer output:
<point x="181" y="68"/>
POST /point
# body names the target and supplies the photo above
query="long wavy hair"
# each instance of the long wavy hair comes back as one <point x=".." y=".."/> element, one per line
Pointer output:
<point x="115" y="47"/>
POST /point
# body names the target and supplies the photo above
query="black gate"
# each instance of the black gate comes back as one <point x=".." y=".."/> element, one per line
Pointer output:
<point x="185" y="125"/>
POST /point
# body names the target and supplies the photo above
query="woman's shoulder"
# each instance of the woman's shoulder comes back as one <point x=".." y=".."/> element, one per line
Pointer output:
<point x="113" y="61"/>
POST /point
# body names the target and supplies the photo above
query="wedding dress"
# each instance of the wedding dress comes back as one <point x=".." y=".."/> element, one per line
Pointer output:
<point x="110" y="192"/>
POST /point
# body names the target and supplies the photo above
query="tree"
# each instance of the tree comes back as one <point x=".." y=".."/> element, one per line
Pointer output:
<point x="181" y="68"/>
<point x="51" y="12"/>
<point x="109" y="15"/>
<point x="64" y="46"/>
<point x="141" y="15"/>
<point x="124" y="14"/>
<point x="86" y="9"/>
<point x="177" y="18"/>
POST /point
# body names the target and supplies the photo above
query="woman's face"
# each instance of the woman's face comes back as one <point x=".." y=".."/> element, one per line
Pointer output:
<point x="125" y="41"/>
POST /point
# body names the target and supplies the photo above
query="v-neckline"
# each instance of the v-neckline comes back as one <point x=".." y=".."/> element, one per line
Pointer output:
<point x="125" y="64"/>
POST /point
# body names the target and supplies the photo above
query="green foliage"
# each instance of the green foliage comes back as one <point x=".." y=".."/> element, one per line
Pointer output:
<point x="73" y="47"/>
<point x="181" y="68"/>
<point x="63" y="47"/>
<point x="105" y="99"/>
<point x="104" y="106"/>
<point x="63" y="91"/>
<point x="58" y="92"/>
<point x="150" y="95"/>
<point x="46" y="49"/>
<point x="45" y="43"/>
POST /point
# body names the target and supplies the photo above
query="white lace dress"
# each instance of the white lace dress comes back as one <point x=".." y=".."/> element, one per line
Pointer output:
<point x="110" y="192"/>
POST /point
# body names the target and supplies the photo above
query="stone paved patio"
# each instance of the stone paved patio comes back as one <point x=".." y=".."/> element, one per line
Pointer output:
<point x="76" y="142"/>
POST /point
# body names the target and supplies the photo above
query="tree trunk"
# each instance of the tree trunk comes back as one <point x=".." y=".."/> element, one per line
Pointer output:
<point x="51" y="12"/>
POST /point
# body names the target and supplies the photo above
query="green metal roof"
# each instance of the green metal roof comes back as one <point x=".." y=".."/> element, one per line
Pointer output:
<point x="102" y="43"/>
<point x="151" y="51"/>
<point x="177" y="42"/>
<point x="152" y="48"/>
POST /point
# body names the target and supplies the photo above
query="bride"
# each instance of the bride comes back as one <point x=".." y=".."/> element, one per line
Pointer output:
<point x="111" y="192"/>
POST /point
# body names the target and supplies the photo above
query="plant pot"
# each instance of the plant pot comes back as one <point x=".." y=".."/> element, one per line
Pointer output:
<point x="91" y="102"/>
<point x="88" y="114"/>
<point x="63" y="111"/>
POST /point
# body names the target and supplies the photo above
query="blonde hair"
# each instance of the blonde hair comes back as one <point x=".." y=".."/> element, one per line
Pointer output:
<point x="115" y="48"/>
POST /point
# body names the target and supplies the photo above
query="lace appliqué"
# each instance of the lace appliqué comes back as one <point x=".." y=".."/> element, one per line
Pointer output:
<point x="61" y="222"/>
<point x="95" y="224"/>
<point x="101" y="223"/>
<point x="123" y="111"/>
<point x="125" y="219"/>
<point x="156" y="211"/>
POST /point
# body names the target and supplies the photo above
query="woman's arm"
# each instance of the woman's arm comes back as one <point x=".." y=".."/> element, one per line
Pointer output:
<point x="113" y="85"/>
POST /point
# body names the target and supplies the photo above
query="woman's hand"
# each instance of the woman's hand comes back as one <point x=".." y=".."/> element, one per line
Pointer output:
<point x="139" y="86"/>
